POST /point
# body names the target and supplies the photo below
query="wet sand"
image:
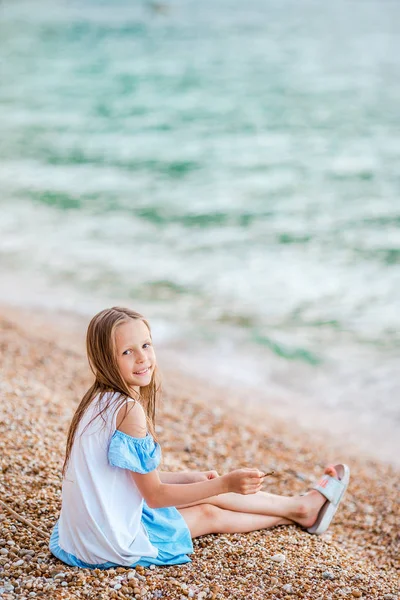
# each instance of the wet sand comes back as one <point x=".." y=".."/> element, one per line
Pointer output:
<point x="43" y="376"/>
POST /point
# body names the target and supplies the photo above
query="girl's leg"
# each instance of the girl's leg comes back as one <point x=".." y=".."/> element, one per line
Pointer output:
<point x="202" y="519"/>
<point x="260" y="503"/>
<point x="301" y="509"/>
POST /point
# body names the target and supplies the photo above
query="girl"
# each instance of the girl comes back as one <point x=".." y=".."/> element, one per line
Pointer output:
<point x="117" y="508"/>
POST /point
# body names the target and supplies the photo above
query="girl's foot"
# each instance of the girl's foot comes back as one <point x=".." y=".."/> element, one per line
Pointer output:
<point x="311" y="503"/>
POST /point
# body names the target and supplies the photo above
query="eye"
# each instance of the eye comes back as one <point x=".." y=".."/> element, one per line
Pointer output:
<point x="126" y="351"/>
<point x="147" y="344"/>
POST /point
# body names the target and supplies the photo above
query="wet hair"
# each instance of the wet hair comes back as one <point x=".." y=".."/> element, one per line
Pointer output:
<point x="102" y="357"/>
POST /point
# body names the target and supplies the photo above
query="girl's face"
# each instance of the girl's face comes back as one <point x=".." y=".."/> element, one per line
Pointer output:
<point x="135" y="354"/>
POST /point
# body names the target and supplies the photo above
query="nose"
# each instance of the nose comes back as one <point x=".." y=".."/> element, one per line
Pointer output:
<point x="141" y="357"/>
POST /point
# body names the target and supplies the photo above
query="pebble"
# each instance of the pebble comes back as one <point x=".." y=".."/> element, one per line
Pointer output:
<point x="356" y="593"/>
<point x="328" y="575"/>
<point x="3" y="551"/>
<point x="287" y="588"/>
<point x="278" y="558"/>
<point x="26" y="553"/>
<point x="131" y="575"/>
<point x="18" y="563"/>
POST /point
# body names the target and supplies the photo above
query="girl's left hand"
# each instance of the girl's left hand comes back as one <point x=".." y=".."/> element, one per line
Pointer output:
<point x="203" y="475"/>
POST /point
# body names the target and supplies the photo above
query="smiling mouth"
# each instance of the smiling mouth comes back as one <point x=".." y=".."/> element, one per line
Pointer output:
<point x="142" y="372"/>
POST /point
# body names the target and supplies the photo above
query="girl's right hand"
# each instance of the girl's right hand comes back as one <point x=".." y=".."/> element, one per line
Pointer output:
<point x="244" y="481"/>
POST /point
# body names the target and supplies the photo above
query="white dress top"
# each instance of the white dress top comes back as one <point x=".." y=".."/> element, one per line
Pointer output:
<point x="100" y="518"/>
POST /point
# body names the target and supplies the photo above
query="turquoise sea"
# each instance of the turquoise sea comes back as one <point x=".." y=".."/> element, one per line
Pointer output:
<point x="231" y="169"/>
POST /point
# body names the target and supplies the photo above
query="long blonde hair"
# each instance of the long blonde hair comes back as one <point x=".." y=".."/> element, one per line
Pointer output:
<point x="101" y="353"/>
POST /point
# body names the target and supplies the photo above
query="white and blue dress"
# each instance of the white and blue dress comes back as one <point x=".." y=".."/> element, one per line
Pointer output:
<point x="104" y="521"/>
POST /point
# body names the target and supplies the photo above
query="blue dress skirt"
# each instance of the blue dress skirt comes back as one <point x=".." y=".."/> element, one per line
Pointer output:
<point x="166" y="528"/>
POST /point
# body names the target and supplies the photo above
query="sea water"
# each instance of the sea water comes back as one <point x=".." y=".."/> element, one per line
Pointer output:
<point x="230" y="169"/>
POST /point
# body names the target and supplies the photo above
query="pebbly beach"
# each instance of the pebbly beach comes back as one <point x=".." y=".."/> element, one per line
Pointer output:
<point x="43" y="377"/>
<point x="230" y="170"/>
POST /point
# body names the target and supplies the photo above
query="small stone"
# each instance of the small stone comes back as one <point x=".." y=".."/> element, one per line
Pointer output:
<point x="152" y="567"/>
<point x="131" y="575"/>
<point x="3" y="551"/>
<point x="136" y="590"/>
<point x="278" y="558"/>
<point x="64" y="584"/>
<point x="11" y="543"/>
<point x="346" y="591"/>
<point x="356" y="593"/>
<point x="117" y="586"/>
<point x="274" y="580"/>
<point x="328" y="575"/>
<point x="18" y="563"/>
<point x="287" y="588"/>
<point x="389" y="597"/>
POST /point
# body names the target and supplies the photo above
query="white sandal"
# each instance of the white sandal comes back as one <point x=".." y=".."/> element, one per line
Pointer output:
<point x="333" y="489"/>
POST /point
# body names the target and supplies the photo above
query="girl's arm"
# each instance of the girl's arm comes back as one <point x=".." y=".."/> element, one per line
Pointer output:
<point x="186" y="476"/>
<point x="180" y="477"/>
<point x="159" y="495"/>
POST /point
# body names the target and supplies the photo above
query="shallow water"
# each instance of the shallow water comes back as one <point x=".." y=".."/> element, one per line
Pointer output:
<point x="231" y="170"/>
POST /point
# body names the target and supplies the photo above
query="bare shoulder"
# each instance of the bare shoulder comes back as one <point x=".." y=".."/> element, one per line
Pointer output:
<point x="131" y="419"/>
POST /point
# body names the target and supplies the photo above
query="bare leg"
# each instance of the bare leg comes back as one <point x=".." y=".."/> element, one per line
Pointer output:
<point x="208" y="518"/>
<point x="260" y="503"/>
<point x="301" y="509"/>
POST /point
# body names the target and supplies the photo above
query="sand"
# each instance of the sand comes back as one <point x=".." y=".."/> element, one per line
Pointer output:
<point x="43" y="376"/>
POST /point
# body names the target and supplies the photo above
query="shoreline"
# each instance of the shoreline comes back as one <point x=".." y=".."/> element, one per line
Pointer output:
<point x="357" y="557"/>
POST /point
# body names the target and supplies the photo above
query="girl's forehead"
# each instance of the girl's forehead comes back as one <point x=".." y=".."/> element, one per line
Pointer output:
<point x="133" y="331"/>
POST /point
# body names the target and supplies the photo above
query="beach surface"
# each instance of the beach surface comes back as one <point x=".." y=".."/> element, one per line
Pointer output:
<point x="44" y="374"/>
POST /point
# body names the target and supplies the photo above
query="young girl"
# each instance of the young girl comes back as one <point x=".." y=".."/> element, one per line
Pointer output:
<point x="117" y="508"/>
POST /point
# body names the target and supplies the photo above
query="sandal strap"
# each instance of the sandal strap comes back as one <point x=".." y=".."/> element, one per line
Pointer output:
<point x="331" y="488"/>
